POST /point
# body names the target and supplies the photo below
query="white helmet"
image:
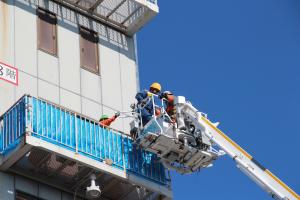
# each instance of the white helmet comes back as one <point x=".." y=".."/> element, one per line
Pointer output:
<point x="167" y="93"/>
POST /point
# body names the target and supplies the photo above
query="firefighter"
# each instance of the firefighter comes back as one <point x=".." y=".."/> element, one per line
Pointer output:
<point x="105" y="121"/>
<point x="170" y="107"/>
<point x="144" y="100"/>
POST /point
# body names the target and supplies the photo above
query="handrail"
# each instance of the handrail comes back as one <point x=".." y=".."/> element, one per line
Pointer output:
<point x="57" y="125"/>
<point x="150" y="99"/>
<point x="11" y="107"/>
<point x="12" y="125"/>
<point x="79" y="114"/>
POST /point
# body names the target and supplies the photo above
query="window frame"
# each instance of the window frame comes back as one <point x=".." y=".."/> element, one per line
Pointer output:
<point x="39" y="11"/>
<point x="97" y="68"/>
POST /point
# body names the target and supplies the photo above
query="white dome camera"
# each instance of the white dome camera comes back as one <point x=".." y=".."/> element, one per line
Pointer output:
<point x="93" y="191"/>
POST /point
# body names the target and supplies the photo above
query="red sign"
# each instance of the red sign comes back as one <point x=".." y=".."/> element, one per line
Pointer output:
<point x="9" y="73"/>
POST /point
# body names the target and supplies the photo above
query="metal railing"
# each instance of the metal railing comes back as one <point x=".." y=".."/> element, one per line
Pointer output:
<point x="156" y="103"/>
<point x="153" y="1"/>
<point x="79" y="134"/>
<point x="12" y="126"/>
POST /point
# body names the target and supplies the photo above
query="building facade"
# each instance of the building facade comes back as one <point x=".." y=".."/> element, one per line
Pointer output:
<point x="78" y="58"/>
<point x="67" y="58"/>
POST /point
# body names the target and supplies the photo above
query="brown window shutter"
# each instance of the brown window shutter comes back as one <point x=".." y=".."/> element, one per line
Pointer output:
<point x="47" y="31"/>
<point x="89" y="50"/>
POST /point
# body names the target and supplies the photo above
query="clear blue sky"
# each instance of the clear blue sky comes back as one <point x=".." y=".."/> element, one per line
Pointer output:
<point x="238" y="61"/>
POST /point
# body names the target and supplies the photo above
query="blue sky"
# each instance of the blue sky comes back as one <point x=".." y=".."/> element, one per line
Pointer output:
<point x="238" y="61"/>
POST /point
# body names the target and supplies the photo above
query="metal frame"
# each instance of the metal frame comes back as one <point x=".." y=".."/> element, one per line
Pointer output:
<point x="115" y="9"/>
<point x="129" y="28"/>
<point x="164" y="114"/>
<point x="95" y="5"/>
<point x="129" y="16"/>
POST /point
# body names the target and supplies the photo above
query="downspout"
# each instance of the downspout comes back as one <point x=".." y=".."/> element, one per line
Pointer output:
<point x="136" y="63"/>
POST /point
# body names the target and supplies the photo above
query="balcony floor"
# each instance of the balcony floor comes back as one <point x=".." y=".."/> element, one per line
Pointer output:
<point x="61" y="168"/>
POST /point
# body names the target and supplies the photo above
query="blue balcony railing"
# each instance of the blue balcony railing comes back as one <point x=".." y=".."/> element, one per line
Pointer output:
<point x="12" y="126"/>
<point x="76" y="133"/>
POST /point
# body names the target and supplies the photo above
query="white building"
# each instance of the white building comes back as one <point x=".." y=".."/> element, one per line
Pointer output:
<point x="77" y="58"/>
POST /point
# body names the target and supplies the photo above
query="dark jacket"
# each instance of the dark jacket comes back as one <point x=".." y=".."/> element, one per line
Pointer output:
<point x="143" y="95"/>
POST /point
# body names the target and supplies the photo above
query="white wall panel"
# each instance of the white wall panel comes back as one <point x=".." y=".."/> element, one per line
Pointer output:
<point x="129" y="87"/>
<point x="128" y="47"/>
<point x="48" y="67"/>
<point x="26" y="40"/>
<point x="110" y="74"/>
<point x="90" y="85"/>
<point x="27" y="85"/>
<point x="69" y="57"/>
<point x="48" y="91"/>
<point x="91" y="109"/>
<point x="7" y="32"/>
<point x="70" y="100"/>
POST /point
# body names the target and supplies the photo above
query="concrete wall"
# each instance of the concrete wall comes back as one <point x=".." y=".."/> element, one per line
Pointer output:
<point x="10" y="184"/>
<point x="60" y="79"/>
<point x="7" y="190"/>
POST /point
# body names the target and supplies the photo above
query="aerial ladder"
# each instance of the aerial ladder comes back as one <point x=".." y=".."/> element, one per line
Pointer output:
<point x="193" y="142"/>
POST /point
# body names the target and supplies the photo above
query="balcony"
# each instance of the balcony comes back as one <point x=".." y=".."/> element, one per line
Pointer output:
<point x="51" y="144"/>
<point x="127" y="16"/>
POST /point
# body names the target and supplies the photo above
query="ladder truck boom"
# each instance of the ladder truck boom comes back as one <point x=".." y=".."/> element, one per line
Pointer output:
<point x="193" y="142"/>
<point x="245" y="162"/>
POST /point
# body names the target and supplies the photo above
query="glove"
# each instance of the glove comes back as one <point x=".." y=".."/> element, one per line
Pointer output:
<point x="117" y="114"/>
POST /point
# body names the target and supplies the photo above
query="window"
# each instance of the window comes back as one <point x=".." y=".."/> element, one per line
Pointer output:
<point x="89" y="50"/>
<point x="46" y="31"/>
